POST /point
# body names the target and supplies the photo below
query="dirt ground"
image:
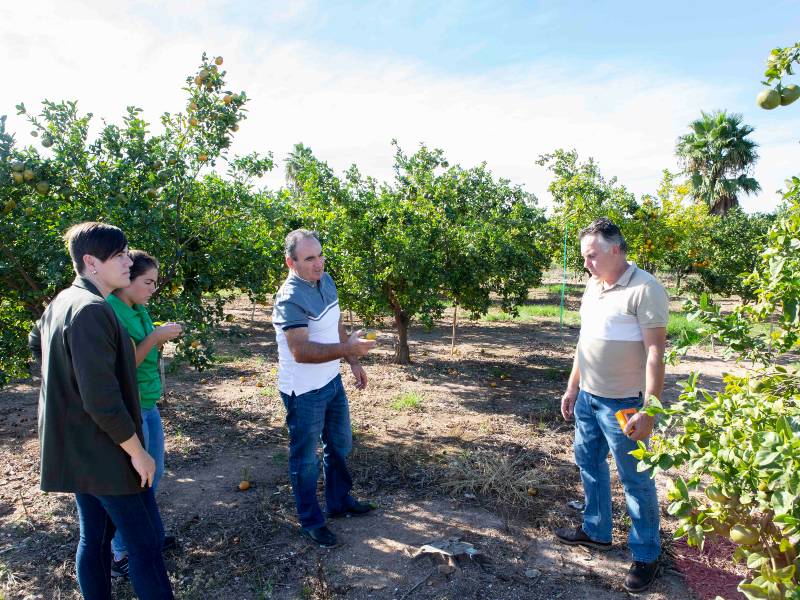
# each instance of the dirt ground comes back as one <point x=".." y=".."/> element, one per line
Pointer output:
<point x="492" y="404"/>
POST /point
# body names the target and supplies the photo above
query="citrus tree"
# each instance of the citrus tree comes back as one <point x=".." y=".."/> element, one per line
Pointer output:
<point x="740" y="448"/>
<point x="437" y="233"/>
<point x="163" y="189"/>
<point x="727" y="254"/>
<point x="580" y="195"/>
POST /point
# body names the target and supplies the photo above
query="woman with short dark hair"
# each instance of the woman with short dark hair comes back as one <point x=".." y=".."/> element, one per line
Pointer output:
<point x="90" y="427"/>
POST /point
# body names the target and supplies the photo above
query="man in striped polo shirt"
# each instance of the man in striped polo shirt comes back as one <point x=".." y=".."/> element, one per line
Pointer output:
<point x="619" y="364"/>
<point x="311" y="341"/>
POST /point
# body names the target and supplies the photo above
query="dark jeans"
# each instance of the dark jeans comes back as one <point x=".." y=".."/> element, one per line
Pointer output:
<point x="322" y="413"/>
<point x="137" y="518"/>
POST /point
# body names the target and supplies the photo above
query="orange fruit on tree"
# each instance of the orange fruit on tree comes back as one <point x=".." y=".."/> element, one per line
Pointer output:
<point x="28" y="175"/>
<point x="218" y="60"/>
<point x="227" y="98"/>
<point x="202" y="157"/>
<point x="17" y="177"/>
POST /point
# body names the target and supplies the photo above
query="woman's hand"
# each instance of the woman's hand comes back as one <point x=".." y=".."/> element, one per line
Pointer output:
<point x="145" y="466"/>
<point x="167" y="332"/>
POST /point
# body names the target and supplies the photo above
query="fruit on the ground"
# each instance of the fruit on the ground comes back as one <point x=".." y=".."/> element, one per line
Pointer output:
<point x="768" y="99"/>
<point x="492" y="384"/>
<point x="371" y="335"/>
<point x="28" y="175"/>
<point x="532" y="491"/>
<point x="195" y="344"/>
<point x="244" y="485"/>
<point x="789" y="94"/>
<point x="42" y="187"/>
<point x="743" y="535"/>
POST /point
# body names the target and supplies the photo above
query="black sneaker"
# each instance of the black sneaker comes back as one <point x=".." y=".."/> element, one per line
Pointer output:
<point x="322" y="536"/>
<point x="576" y="536"/>
<point x="641" y="576"/>
<point x="358" y="509"/>
<point x="119" y="568"/>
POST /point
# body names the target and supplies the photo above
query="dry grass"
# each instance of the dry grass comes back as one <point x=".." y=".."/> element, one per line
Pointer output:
<point x="515" y="480"/>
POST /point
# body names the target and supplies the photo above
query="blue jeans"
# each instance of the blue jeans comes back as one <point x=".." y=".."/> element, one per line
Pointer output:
<point x="153" y="432"/>
<point x="596" y="432"/>
<point x="322" y="413"/>
<point x="136" y="517"/>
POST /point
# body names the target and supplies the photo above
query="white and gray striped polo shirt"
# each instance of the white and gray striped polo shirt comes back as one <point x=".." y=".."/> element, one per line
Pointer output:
<point x="301" y="303"/>
<point x="611" y="353"/>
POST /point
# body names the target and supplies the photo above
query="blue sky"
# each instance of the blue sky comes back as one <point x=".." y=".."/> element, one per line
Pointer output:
<point x="501" y="82"/>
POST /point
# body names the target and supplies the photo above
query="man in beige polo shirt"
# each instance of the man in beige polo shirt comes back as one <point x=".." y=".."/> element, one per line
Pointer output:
<point x="619" y="363"/>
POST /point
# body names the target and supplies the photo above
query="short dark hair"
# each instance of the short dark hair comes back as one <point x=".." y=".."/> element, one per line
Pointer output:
<point x="100" y="240"/>
<point x="142" y="262"/>
<point x="292" y="239"/>
<point x="607" y="230"/>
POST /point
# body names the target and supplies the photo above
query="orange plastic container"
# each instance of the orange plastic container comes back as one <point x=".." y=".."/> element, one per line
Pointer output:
<point x="623" y="415"/>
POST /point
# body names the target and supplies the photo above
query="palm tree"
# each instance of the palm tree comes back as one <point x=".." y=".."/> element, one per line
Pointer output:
<point x="294" y="163"/>
<point x="718" y="157"/>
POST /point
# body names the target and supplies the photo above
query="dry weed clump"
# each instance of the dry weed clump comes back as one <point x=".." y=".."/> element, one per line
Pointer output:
<point x="517" y="480"/>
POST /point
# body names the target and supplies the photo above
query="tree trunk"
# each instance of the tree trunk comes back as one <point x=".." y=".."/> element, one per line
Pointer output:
<point x="402" y="354"/>
<point x="455" y="322"/>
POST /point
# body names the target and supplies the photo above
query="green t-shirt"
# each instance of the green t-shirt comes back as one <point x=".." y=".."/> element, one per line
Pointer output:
<point x="137" y="322"/>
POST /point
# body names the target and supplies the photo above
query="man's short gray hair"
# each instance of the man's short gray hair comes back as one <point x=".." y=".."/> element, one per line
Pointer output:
<point x="294" y="237"/>
<point x="608" y="232"/>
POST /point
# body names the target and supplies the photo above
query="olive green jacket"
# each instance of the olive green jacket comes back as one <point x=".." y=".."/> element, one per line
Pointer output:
<point x="89" y="400"/>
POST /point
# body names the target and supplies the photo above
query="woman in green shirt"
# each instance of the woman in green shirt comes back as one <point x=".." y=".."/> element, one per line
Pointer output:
<point x="129" y="305"/>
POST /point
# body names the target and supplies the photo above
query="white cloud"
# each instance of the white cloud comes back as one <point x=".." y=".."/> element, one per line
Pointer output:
<point x="347" y="107"/>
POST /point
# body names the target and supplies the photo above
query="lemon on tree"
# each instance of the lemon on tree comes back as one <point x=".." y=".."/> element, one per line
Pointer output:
<point x="768" y="99"/>
<point x="789" y="94"/>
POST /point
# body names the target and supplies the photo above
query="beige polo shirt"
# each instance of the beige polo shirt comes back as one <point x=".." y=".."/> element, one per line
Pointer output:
<point x="611" y="353"/>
